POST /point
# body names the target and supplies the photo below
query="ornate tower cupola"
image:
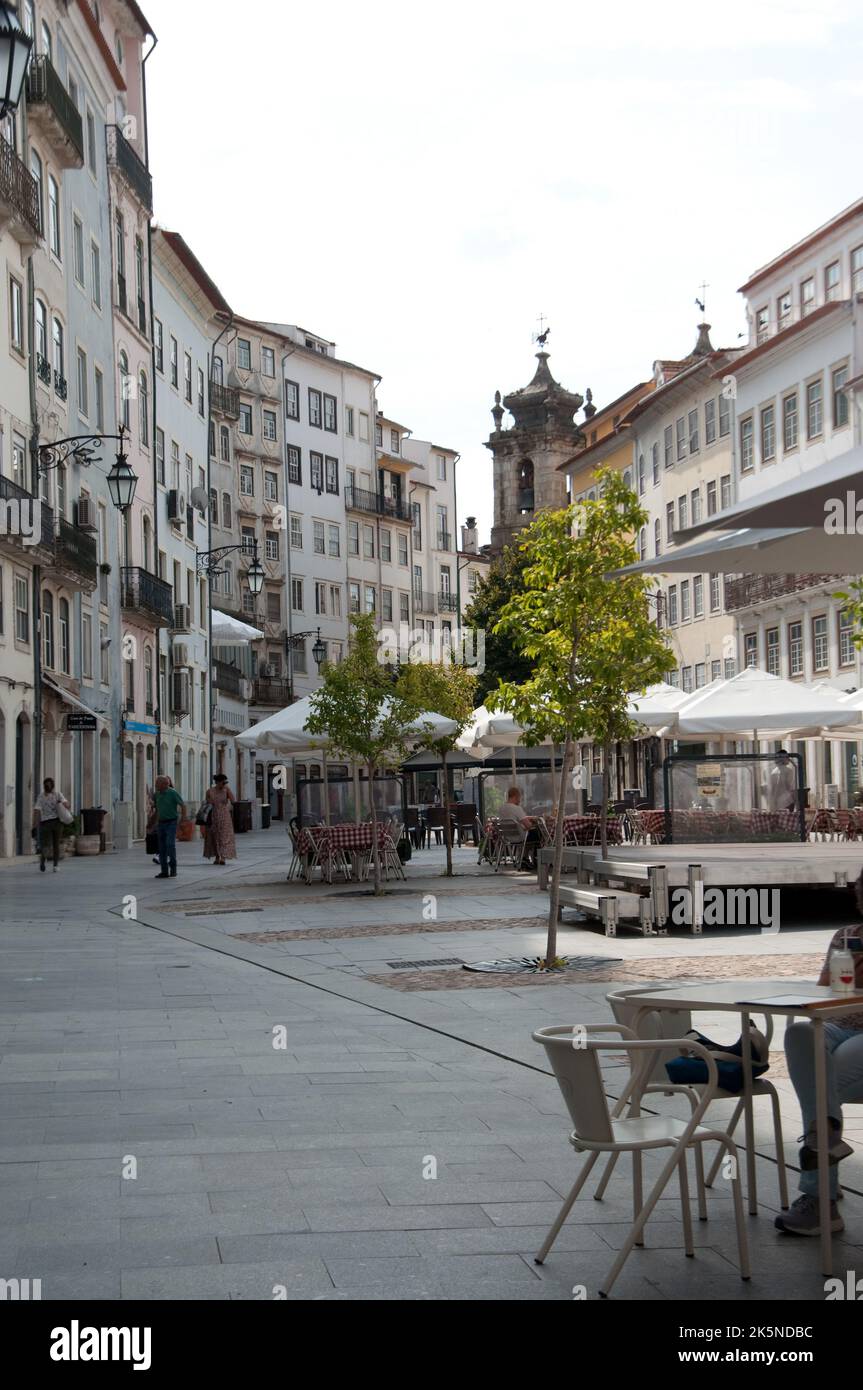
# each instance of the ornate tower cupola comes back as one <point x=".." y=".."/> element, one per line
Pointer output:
<point x="528" y="455"/>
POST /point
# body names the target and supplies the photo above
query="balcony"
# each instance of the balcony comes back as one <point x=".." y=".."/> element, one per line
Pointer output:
<point x="76" y="553"/>
<point x="227" y="679"/>
<point x="271" y="690"/>
<point x="425" y="602"/>
<point x="750" y="589"/>
<point x="20" y="210"/>
<point x="224" y="400"/>
<point x="132" y="169"/>
<point x="22" y="523"/>
<point x="443" y="540"/>
<point x="43" y="369"/>
<point x="361" y="499"/>
<point x="53" y="112"/>
<point x="447" y="601"/>
<point x="146" y="593"/>
<point x="61" y="386"/>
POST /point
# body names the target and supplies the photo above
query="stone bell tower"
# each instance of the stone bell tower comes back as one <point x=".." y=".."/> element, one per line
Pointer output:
<point x="528" y="455"/>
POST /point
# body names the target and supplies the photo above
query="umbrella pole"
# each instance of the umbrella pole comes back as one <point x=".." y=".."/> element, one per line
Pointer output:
<point x="326" y="793"/>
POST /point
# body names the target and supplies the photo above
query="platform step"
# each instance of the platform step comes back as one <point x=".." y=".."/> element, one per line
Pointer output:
<point x="610" y="906"/>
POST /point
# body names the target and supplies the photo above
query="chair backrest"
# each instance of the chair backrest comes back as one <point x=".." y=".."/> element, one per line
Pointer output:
<point x="574" y="1060"/>
<point x="662" y="1023"/>
<point x="412" y="818"/>
<point x="465" y="813"/>
<point x="436" y="817"/>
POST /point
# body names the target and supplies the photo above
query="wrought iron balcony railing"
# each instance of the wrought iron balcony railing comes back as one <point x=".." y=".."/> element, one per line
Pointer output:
<point x="43" y="369"/>
<point x="76" y="551"/>
<point x="147" y="593"/>
<point x="749" y="589"/>
<point x="443" y="540"/>
<point x="447" y="601"/>
<point x="19" y="196"/>
<point x="424" y="602"/>
<point x="122" y="156"/>
<point x="272" y="690"/>
<point x="63" y="125"/>
<point x="227" y="678"/>
<point x="361" y="499"/>
<point x="224" y="400"/>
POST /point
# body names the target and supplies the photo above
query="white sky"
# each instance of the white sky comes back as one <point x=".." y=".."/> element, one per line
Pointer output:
<point x="418" y="182"/>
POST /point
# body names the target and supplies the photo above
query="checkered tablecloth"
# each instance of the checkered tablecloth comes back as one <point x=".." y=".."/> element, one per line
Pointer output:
<point x="652" y="823"/>
<point x="350" y="837"/>
<point x="584" y="830"/>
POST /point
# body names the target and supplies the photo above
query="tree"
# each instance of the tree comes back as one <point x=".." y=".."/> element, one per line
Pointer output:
<point x="447" y="689"/>
<point x="367" y="715"/>
<point x="589" y="640"/>
<point x="504" y="580"/>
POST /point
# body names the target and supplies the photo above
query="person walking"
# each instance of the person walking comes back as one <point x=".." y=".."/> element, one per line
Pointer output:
<point x="48" y="827"/>
<point x="169" y="807"/>
<point x="219" y="843"/>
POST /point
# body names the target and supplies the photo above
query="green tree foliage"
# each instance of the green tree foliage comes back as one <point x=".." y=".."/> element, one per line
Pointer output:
<point x="504" y="580"/>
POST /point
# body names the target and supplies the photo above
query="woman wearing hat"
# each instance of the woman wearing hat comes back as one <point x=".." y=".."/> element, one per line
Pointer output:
<point x="219" y="842"/>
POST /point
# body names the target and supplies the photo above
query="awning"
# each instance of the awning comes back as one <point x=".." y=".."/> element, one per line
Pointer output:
<point x="798" y="501"/>
<point x="228" y="631"/>
<point x="70" y="699"/>
<point x="760" y="551"/>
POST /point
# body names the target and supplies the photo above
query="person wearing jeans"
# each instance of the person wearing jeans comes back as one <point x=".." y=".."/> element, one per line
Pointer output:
<point x="843" y="1041"/>
<point x="169" y="807"/>
<point x="49" y="827"/>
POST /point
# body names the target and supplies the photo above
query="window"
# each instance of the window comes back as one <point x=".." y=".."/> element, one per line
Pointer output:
<point x="144" y="409"/>
<point x="47" y="629"/>
<point x="386" y="544"/>
<point x="831" y="282"/>
<point x="320" y="598"/>
<point x="39" y="176"/>
<point x="668" y="446"/>
<point x="319" y="542"/>
<point x="642" y="543"/>
<point x="271" y="486"/>
<point x="174" y="362"/>
<point x="747" y="445"/>
<point x="334" y="541"/>
<point x="711" y="499"/>
<point x="838" y="379"/>
<point x="368" y="542"/>
<point x="19" y="461"/>
<point x="680" y="428"/>
<point x="682" y="512"/>
<point x="693" y="432"/>
<point x="724" y="416"/>
<point x="695" y="507"/>
<point x="772" y="639"/>
<point x="686" y="679"/>
<point x="725" y="491"/>
<point x="87" y="646"/>
<point x="296" y="532"/>
<point x="730" y="667"/>
<point x="332" y="475"/>
<point x="54" y="215"/>
<point x="83" y="405"/>
<point x="814" y="409"/>
<point x="847" y="649"/>
<point x="349" y="419"/>
<point x="657" y="543"/>
<point x="315" y="416"/>
<point x="685" y="607"/>
<point x="78" y="249"/>
<point x="91" y="141"/>
<point x="795" y="649"/>
<point x="370" y="598"/>
<point x="63" y="635"/>
<point x="245" y="418"/>
<point x="700" y="675"/>
<point x="274" y="604"/>
<point x="270" y="424"/>
<point x="22" y="609"/>
<point x="125" y="389"/>
<point x="379" y="434"/>
<point x="642" y="475"/>
<point x="297" y="595"/>
<point x="292" y="400"/>
<point x="404" y="608"/>
<point x="762" y="324"/>
<point x="698" y="596"/>
<point x="820" y="648"/>
<point x="226" y="511"/>
<point x="857" y="270"/>
<point x="160" y="463"/>
<point x="709" y="422"/>
<point x="244" y="354"/>
<point x="201" y="410"/>
<point x="316" y="470"/>
<point x="353" y="597"/>
<point x="403" y="549"/>
<point x="247" y="480"/>
<point x="768" y="434"/>
<point x="750" y="649"/>
<point x="271" y="541"/>
<point x="159" y="344"/>
<point x="295" y="471"/>
<point x="330" y="414"/>
<point x="364" y="426"/>
<point x="387" y="605"/>
<point x="807" y="296"/>
<point x="715" y="670"/>
<point x="353" y="538"/>
<point x="715" y="594"/>
<point x="789" y="422"/>
<point x="669" y="523"/>
<point x="336" y="600"/>
<point x="672" y="605"/>
<point x="41" y="334"/>
<point x="783" y="311"/>
<point x="16" y="314"/>
<point x="268" y="361"/>
<point x="225" y="443"/>
<point x="187" y="377"/>
<point x="654" y="461"/>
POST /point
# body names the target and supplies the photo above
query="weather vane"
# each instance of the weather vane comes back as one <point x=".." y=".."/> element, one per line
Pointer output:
<point x="542" y="336"/>
<point x="702" y="302"/>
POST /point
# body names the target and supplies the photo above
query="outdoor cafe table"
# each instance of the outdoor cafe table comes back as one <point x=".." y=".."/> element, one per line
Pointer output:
<point x="354" y="838"/>
<point x="584" y="830"/>
<point x="789" y="998"/>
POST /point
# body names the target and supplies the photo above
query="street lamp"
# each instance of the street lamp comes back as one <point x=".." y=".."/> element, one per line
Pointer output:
<point x="15" y="48"/>
<point x="319" y="649"/>
<point x="81" y="448"/>
<point x="207" y="563"/>
<point x="255" y="575"/>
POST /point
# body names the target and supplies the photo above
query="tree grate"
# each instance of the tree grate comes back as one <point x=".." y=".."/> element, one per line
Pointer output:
<point x="414" y="964"/>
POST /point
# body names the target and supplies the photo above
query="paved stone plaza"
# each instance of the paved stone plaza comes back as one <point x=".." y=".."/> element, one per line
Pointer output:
<point x="146" y="1046"/>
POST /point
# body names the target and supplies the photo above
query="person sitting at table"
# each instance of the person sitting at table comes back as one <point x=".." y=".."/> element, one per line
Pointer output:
<point x="843" y="1040"/>
<point x="514" y="817"/>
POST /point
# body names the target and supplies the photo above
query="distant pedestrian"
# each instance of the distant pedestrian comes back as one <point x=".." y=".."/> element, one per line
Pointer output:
<point x="219" y="843"/>
<point x="49" y="826"/>
<point x="169" y="807"/>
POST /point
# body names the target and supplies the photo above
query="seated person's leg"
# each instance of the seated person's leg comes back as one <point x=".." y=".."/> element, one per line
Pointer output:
<point x="799" y="1050"/>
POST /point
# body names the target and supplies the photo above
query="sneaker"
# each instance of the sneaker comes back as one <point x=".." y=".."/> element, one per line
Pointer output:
<point x="802" y="1218"/>
<point x="160" y="875"/>
<point x="55" y="868"/>
<point x="837" y="1149"/>
<point x="173" y="873"/>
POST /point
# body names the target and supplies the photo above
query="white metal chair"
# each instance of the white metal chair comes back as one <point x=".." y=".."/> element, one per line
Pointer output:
<point x="390" y="852"/>
<point x="676" y="1023"/>
<point x="511" y="846"/>
<point x="297" y="868"/>
<point x="573" y="1051"/>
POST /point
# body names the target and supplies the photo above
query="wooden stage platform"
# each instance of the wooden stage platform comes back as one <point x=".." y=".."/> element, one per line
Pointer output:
<point x="754" y="865"/>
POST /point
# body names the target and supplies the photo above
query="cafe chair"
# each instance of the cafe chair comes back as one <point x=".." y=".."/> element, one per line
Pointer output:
<point x="668" y="1023"/>
<point x="413" y="826"/>
<point x="465" y="822"/>
<point x="390" y="853"/>
<point x="574" y="1054"/>
<point x="298" y="863"/>
<point x="435" y="821"/>
<point x="511" y="848"/>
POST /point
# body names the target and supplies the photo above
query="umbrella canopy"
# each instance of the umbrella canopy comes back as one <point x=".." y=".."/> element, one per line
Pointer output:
<point x="753" y="701"/>
<point x="761" y="551"/>
<point x="793" y="502"/>
<point x="231" y="632"/>
<point x="286" y="731"/>
<point x="657" y="706"/>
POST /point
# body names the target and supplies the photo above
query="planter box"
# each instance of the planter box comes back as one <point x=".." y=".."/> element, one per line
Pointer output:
<point x="87" y="844"/>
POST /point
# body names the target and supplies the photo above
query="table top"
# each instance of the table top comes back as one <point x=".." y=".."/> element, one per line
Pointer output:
<point x="756" y="996"/>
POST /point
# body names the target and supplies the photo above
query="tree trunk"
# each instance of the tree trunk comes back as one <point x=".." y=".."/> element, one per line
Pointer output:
<point x="447" y="823"/>
<point x="376" y="856"/>
<point x="606" y="792"/>
<point x="554" y="887"/>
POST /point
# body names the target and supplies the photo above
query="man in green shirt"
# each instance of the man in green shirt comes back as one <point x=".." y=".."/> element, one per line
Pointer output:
<point x="169" y="807"/>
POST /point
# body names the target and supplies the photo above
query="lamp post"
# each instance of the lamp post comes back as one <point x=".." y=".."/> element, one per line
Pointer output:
<point x="81" y="448"/>
<point x="15" y="49"/>
<point x="207" y="563"/>
<point x="319" y="648"/>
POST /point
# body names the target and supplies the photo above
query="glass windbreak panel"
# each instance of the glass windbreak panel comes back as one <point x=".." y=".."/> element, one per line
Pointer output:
<point x="313" y="796"/>
<point x="538" y="795"/>
<point x="734" y="799"/>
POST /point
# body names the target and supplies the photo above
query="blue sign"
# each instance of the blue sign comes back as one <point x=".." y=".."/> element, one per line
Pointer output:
<point x="136" y="728"/>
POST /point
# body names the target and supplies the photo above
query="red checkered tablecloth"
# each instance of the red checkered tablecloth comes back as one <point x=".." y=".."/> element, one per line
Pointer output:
<point x="348" y="836"/>
<point x="584" y="830"/>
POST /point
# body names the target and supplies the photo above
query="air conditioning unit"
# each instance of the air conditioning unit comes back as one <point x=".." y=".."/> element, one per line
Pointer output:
<point x="267" y="672"/>
<point x="85" y="515"/>
<point x="182" y="618"/>
<point x="177" y="507"/>
<point x="180" y="654"/>
<point x="181" y="693"/>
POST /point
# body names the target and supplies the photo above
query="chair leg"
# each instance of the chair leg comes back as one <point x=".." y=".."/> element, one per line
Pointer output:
<point x="566" y="1209"/>
<point x="700" y="1184"/>
<point x="635" y="1234"/>
<point x="780" y="1152"/>
<point x="603" y="1182"/>
<point x="685" y="1208"/>
<point x="637" y="1191"/>
<point x="735" y="1120"/>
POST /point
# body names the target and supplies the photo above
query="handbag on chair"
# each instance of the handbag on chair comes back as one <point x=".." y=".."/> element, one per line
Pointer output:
<point x="683" y="1071"/>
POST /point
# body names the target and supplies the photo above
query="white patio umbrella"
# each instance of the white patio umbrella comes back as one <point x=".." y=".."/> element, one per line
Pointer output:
<point x="754" y="702"/>
<point x="656" y="708"/>
<point x="231" y="632"/>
